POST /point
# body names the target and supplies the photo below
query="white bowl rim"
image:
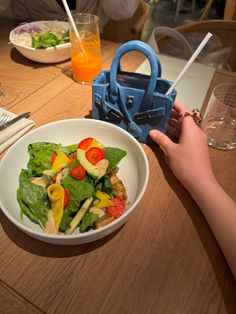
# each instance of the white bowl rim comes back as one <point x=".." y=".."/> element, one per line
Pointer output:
<point x="90" y="232"/>
<point x="38" y="49"/>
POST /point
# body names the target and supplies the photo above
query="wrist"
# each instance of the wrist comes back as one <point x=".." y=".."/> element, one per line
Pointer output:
<point x="200" y="182"/>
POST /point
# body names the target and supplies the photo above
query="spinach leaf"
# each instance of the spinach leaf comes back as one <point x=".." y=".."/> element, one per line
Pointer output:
<point x="88" y="221"/>
<point x="40" y="155"/>
<point x="70" y="149"/>
<point x="105" y="185"/>
<point x="78" y="189"/>
<point x="66" y="218"/>
<point x="114" y="156"/>
<point x="33" y="199"/>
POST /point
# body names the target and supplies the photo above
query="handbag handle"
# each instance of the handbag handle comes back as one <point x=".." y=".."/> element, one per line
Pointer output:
<point x="154" y="63"/>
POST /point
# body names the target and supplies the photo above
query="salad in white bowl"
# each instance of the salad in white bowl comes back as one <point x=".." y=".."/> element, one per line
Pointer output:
<point x="46" y="161"/>
<point x="70" y="187"/>
<point x="42" y="41"/>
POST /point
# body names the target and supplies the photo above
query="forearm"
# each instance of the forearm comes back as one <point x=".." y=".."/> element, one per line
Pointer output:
<point x="190" y="162"/>
<point x="220" y="212"/>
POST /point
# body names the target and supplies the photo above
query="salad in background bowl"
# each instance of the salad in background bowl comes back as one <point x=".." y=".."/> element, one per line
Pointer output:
<point x="126" y="158"/>
<point x="42" y="41"/>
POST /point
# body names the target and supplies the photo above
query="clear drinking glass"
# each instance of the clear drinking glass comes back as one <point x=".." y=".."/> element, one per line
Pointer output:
<point x="219" y="122"/>
<point x="86" y="57"/>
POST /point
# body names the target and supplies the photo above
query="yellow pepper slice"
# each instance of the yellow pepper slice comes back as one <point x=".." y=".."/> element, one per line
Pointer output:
<point x="95" y="143"/>
<point x="105" y="200"/>
<point x="61" y="161"/>
<point x="56" y="196"/>
<point x="88" y="143"/>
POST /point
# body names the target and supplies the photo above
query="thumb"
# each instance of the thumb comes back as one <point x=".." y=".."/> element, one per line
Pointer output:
<point x="161" y="139"/>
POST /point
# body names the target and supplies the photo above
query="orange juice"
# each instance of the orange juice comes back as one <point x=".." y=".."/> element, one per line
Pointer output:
<point x="86" y="67"/>
<point x="86" y="55"/>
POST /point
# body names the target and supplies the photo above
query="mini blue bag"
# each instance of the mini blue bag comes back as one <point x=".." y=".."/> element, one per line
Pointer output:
<point x="135" y="102"/>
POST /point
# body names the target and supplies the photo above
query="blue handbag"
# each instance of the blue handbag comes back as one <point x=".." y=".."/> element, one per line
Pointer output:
<point x="133" y="101"/>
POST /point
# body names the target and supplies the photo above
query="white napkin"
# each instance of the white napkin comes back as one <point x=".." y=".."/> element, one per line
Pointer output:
<point x="15" y="131"/>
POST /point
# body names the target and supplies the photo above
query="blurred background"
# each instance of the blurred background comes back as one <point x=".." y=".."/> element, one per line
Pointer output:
<point x="178" y="12"/>
<point x="193" y="19"/>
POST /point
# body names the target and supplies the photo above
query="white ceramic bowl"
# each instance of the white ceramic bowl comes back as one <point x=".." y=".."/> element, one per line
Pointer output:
<point x="133" y="171"/>
<point x="46" y="55"/>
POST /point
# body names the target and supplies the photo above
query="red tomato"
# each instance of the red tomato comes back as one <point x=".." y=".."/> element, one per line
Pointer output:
<point x="66" y="198"/>
<point x="78" y="172"/>
<point x="52" y="159"/>
<point x="94" y="155"/>
<point x="116" y="210"/>
<point x="84" y="144"/>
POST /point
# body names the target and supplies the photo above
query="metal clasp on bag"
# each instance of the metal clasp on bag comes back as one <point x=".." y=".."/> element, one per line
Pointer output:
<point x="142" y="115"/>
<point x="150" y="114"/>
<point x="114" y="114"/>
<point x="130" y="100"/>
<point x="108" y="112"/>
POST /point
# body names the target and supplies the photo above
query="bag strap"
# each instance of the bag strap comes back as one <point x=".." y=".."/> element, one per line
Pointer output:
<point x="155" y="69"/>
<point x="132" y="127"/>
<point x="108" y="110"/>
<point x="171" y="32"/>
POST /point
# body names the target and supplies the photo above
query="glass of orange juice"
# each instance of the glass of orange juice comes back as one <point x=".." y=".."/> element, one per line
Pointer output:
<point x="86" y="57"/>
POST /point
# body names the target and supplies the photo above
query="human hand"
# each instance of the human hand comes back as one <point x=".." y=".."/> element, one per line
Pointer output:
<point x="189" y="157"/>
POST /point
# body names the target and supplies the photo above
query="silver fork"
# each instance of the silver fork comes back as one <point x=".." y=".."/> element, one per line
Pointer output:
<point x="4" y="117"/>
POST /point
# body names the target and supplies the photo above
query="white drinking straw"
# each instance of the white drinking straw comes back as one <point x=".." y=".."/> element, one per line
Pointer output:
<point x="71" y="19"/>
<point x="73" y="24"/>
<point x="190" y="61"/>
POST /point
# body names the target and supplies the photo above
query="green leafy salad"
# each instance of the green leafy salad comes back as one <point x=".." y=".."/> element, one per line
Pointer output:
<point x="65" y="188"/>
<point x="41" y="35"/>
<point x="49" y="39"/>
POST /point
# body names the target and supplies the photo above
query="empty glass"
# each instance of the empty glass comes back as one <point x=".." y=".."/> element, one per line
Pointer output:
<point x="219" y="122"/>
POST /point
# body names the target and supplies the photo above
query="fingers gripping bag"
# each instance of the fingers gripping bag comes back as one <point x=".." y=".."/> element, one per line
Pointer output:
<point x="133" y="101"/>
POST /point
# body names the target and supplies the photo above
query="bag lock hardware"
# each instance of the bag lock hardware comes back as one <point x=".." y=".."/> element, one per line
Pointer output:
<point x="150" y="114"/>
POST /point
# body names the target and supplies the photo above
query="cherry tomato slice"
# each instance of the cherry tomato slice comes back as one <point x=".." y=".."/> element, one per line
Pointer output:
<point x="78" y="172"/>
<point x="94" y="155"/>
<point x="66" y="198"/>
<point x="84" y="144"/>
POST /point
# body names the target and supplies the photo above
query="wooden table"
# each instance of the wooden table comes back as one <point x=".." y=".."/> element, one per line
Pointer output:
<point x="163" y="260"/>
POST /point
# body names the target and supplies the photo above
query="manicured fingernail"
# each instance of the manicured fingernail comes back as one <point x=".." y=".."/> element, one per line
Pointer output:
<point x="152" y="132"/>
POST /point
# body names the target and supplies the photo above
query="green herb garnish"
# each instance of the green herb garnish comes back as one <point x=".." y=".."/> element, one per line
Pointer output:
<point x="48" y="39"/>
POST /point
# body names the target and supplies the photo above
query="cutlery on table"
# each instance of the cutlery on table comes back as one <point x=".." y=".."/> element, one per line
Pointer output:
<point x="4" y="117"/>
<point x="14" y="120"/>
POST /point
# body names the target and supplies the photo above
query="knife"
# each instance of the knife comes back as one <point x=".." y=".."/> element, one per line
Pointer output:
<point x="14" y="120"/>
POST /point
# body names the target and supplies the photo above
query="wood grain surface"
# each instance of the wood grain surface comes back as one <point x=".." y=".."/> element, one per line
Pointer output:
<point x="165" y="259"/>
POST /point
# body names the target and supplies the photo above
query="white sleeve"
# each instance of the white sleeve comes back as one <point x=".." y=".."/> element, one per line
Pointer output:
<point x="119" y="9"/>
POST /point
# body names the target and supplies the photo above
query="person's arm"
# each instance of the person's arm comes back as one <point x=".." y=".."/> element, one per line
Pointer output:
<point x="190" y="162"/>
